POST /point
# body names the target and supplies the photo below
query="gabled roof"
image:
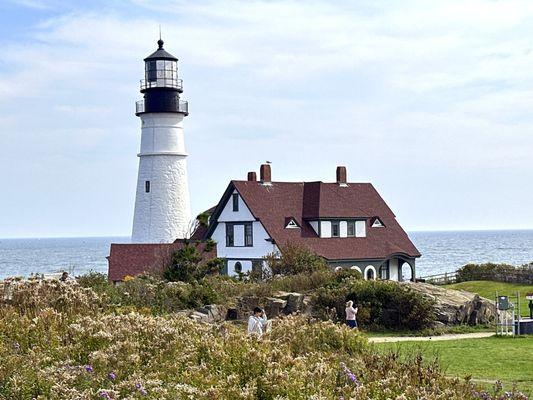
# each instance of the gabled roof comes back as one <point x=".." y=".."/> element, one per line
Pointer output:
<point x="304" y="201"/>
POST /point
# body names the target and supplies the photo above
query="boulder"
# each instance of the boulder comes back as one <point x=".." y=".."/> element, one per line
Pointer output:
<point x="294" y="301"/>
<point x="457" y="306"/>
<point x="210" y="313"/>
<point x="274" y="306"/>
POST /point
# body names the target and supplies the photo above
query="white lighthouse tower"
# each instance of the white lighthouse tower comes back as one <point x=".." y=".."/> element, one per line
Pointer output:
<point x="162" y="204"/>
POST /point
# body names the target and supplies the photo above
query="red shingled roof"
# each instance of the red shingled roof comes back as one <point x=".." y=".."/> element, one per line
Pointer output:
<point x="134" y="259"/>
<point x="273" y="204"/>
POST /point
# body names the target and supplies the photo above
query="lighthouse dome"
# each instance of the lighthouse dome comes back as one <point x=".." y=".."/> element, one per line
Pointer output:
<point x="160" y="53"/>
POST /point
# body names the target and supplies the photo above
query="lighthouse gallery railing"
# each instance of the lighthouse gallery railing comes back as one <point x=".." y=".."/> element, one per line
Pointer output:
<point x="183" y="107"/>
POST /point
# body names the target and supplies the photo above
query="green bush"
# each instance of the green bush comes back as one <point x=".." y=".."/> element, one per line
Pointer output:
<point x="381" y="303"/>
<point x="186" y="265"/>
<point x="295" y="259"/>
<point x="496" y="272"/>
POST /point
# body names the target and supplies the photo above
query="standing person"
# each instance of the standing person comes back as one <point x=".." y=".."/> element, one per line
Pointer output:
<point x="258" y="322"/>
<point x="351" y="313"/>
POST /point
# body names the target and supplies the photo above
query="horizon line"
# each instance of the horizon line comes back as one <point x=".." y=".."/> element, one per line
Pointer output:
<point x="408" y="231"/>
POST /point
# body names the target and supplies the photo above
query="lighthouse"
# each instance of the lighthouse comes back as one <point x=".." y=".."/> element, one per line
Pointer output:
<point x="162" y="204"/>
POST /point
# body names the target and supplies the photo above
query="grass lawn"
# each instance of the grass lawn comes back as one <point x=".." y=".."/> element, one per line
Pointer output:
<point x="488" y="289"/>
<point x="487" y="359"/>
<point x="431" y="332"/>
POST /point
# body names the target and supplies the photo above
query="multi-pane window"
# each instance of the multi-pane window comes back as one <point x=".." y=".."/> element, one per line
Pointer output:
<point x="235" y="199"/>
<point x="151" y="71"/>
<point x="384" y="271"/>
<point x="230" y="235"/>
<point x="239" y="234"/>
<point x="335" y="229"/>
<point x="351" y="228"/>
<point x="248" y="235"/>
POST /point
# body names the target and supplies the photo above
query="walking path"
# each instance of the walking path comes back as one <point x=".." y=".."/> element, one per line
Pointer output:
<point x="391" y="339"/>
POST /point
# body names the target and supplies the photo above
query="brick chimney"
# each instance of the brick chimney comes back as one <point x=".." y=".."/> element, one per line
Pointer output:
<point x="252" y="176"/>
<point x="341" y="176"/>
<point x="265" y="174"/>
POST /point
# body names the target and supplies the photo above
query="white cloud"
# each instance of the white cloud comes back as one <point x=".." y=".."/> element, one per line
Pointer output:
<point x="440" y="86"/>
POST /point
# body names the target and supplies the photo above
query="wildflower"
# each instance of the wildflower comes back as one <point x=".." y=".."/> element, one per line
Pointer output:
<point x="351" y="376"/>
<point x="112" y="376"/>
<point x="104" y="395"/>
<point x="89" y="368"/>
<point x="141" y="390"/>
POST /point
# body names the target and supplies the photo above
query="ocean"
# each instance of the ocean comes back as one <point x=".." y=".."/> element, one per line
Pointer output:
<point x="441" y="252"/>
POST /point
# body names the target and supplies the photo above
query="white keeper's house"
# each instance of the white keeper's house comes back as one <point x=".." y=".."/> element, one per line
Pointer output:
<point x="348" y="224"/>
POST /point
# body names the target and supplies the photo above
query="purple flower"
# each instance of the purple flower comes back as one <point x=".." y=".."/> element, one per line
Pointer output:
<point x="112" y="376"/>
<point x="89" y="368"/>
<point x="351" y="376"/>
<point x="104" y="395"/>
<point x="140" y="388"/>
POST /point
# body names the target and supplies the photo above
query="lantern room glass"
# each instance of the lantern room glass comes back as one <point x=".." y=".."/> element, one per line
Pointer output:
<point x="161" y="73"/>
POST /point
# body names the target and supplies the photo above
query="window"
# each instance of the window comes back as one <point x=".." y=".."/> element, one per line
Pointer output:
<point x="229" y="235"/>
<point x="248" y="235"/>
<point x="292" y="224"/>
<point x="360" y="228"/>
<point x="239" y="234"/>
<point x="370" y="273"/>
<point x="377" y="223"/>
<point x="384" y="271"/>
<point x="335" y="229"/>
<point x="147" y="186"/>
<point x="351" y="228"/>
<point x="235" y="198"/>
<point x="151" y="72"/>
<point x="238" y="267"/>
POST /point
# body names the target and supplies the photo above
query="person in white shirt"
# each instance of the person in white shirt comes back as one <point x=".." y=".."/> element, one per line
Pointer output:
<point x="351" y="313"/>
<point x="258" y="322"/>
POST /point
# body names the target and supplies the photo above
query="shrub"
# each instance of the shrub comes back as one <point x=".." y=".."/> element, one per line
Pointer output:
<point x="134" y="356"/>
<point x="186" y="265"/>
<point x="381" y="303"/>
<point x="496" y="272"/>
<point x="295" y="259"/>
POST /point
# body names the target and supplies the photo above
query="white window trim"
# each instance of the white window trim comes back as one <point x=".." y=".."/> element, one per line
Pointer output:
<point x="370" y="267"/>
<point x="292" y="224"/>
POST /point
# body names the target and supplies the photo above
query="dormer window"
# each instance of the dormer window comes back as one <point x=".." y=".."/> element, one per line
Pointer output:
<point x="235" y="199"/>
<point x="291" y="224"/>
<point x="377" y="223"/>
<point x="335" y="229"/>
<point x="350" y="228"/>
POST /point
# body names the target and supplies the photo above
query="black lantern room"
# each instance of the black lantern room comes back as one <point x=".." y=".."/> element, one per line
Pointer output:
<point x="161" y="86"/>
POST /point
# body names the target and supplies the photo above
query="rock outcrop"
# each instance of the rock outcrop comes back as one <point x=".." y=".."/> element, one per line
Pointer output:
<point x="457" y="306"/>
<point x="280" y="303"/>
<point x="209" y="314"/>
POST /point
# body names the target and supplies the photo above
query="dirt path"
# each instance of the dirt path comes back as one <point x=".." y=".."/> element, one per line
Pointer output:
<point x="391" y="339"/>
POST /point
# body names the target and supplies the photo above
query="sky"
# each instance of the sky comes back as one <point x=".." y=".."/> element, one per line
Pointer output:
<point x="432" y="102"/>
